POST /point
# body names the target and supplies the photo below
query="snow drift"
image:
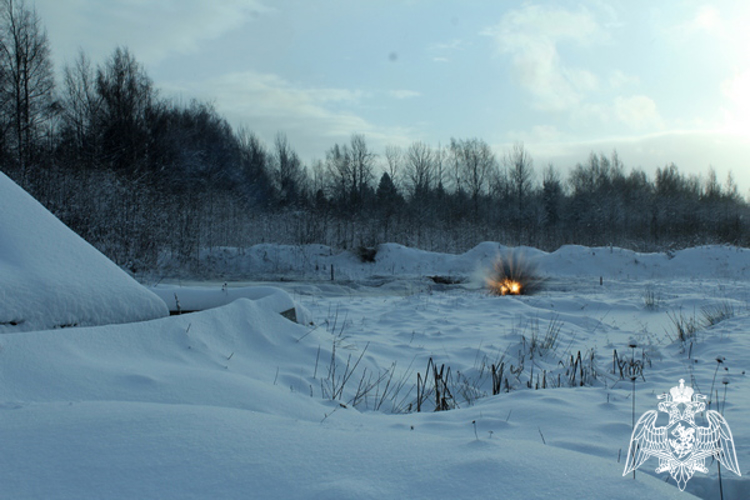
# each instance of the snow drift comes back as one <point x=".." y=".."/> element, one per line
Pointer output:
<point x="217" y="404"/>
<point x="51" y="278"/>
<point x="181" y="299"/>
<point x="391" y="260"/>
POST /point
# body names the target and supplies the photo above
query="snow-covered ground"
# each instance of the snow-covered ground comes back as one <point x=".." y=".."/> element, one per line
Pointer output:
<point x="238" y="401"/>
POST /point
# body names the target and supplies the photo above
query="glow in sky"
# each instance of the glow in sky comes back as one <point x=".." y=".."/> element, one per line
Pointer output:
<point x="660" y="82"/>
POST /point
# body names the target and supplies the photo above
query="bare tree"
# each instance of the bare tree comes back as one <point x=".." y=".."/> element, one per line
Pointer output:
<point x="318" y="179"/>
<point x="439" y="175"/>
<point x="521" y="172"/>
<point x="419" y="169"/>
<point x="394" y="160"/>
<point x="394" y="164"/>
<point x="731" y="191"/>
<point x="473" y="163"/>
<point x="127" y="97"/>
<point x="351" y="171"/>
<point x="362" y="165"/>
<point x="255" y="169"/>
<point x="80" y="104"/>
<point x="338" y="167"/>
<point x="27" y="79"/>
<point x="552" y="196"/>
<point x="712" y="188"/>
<point x="290" y="174"/>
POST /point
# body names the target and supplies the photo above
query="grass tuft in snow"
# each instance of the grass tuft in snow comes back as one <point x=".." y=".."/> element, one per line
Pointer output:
<point x="716" y="313"/>
<point x="334" y="384"/>
<point x="376" y="389"/>
<point x="497" y="379"/>
<point x="541" y="345"/>
<point x="651" y="299"/>
<point x="630" y="368"/>
<point x="685" y="327"/>
<point x="435" y="384"/>
<point x="441" y="388"/>
<point x="581" y="370"/>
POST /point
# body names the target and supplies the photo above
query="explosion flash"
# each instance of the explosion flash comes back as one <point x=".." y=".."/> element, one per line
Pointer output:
<point x="505" y="287"/>
<point x="512" y="274"/>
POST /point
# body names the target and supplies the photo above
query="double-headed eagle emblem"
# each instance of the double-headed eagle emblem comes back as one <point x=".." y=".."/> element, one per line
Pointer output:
<point x="682" y="446"/>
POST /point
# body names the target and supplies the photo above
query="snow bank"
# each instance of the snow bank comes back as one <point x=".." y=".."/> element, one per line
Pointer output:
<point x="218" y="404"/>
<point x="236" y="401"/>
<point x="711" y="261"/>
<point x="190" y="299"/>
<point x="51" y="278"/>
<point x="320" y="263"/>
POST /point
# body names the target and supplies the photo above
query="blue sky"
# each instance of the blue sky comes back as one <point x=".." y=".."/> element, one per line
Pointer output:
<point x="660" y="82"/>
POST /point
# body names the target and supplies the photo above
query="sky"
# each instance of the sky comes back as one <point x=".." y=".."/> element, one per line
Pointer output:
<point x="658" y="82"/>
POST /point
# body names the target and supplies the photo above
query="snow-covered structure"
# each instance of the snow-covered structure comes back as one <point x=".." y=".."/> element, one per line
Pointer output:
<point x="51" y="278"/>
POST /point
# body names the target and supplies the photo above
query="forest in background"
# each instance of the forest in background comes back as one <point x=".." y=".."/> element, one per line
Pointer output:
<point x="142" y="176"/>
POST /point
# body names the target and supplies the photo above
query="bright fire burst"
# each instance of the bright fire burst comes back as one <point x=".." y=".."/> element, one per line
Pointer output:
<point x="505" y="287"/>
<point x="512" y="274"/>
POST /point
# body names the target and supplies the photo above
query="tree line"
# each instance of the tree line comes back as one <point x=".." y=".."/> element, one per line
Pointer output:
<point x="147" y="179"/>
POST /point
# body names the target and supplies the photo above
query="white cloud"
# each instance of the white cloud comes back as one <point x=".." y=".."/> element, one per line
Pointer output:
<point x="539" y="134"/>
<point x="589" y="112"/>
<point x="737" y="90"/>
<point x="444" y="51"/>
<point x="530" y="35"/>
<point x="638" y="112"/>
<point x="581" y="79"/>
<point x="259" y="95"/>
<point x="692" y="151"/>
<point x="404" y="94"/>
<point x="447" y="46"/>
<point x="619" y="79"/>
<point x="331" y="95"/>
<point x="313" y="118"/>
<point x="707" y="19"/>
<point x="151" y="30"/>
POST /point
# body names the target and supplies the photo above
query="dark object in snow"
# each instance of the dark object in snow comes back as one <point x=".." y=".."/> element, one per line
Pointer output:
<point x="366" y="254"/>
<point x="13" y="322"/>
<point x="445" y="280"/>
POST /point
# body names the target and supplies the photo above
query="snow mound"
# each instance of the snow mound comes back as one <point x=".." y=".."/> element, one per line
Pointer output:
<point x="710" y="261"/>
<point x="199" y="298"/>
<point x="219" y="404"/>
<point x="51" y="278"/>
<point x="394" y="261"/>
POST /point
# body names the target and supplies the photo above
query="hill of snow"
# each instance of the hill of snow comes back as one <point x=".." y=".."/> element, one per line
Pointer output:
<point x="51" y="278"/>
<point x="318" y="262"/>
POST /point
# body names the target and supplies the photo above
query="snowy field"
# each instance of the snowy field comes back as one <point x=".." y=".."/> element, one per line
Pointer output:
<point x="240" y="401"/>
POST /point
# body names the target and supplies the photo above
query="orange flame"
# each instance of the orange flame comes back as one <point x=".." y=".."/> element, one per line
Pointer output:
<point x="506" y="287"/>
